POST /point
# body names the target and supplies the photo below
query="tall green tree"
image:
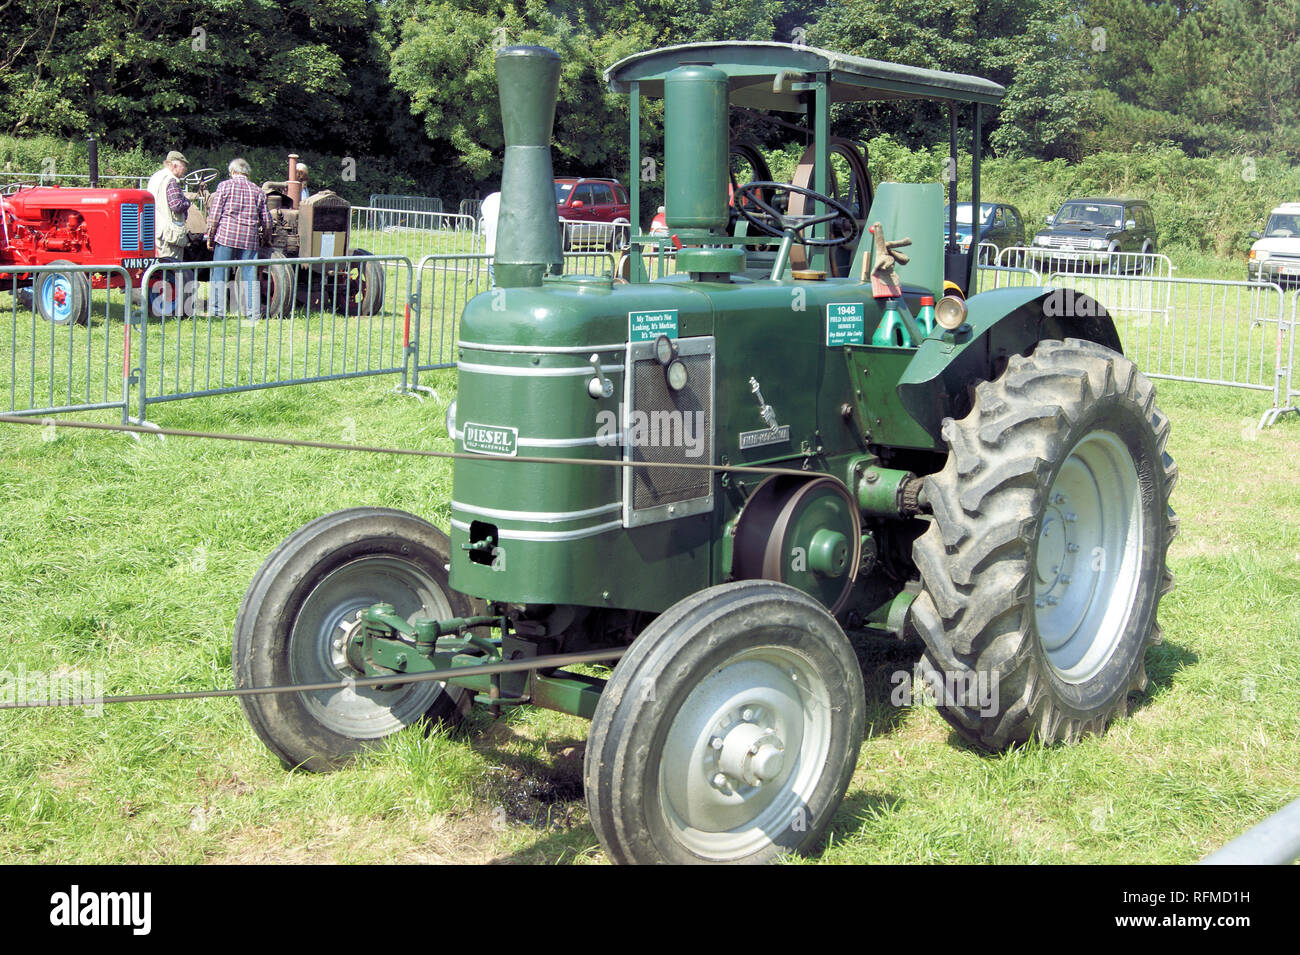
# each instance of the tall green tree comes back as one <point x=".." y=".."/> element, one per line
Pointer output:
<point x="1034" y="48"/>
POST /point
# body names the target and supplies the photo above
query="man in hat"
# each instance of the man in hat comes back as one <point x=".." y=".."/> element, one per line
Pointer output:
<point x="170" y="210"/>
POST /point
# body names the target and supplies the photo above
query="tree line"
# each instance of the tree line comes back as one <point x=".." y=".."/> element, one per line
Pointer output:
<point x="408" y="86"/>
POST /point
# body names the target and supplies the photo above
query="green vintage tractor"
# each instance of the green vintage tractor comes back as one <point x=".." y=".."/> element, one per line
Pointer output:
<point x="725" y="476"/>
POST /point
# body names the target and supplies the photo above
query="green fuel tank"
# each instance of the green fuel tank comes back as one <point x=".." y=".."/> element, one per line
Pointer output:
<point x="696" y="150"/>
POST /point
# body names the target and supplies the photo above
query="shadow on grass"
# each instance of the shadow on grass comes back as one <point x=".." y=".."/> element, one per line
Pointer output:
<point x="1163" y="662"/>
<point x="882" y="660"/>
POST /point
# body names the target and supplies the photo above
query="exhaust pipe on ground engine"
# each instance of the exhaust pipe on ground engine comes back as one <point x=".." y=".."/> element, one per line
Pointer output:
<point x="528" y="234"/>
<point x="92" y="157"/>
<point x="295" y="187"/>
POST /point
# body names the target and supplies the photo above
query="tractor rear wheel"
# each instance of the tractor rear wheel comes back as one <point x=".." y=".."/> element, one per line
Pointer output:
<point x="294" y="623"/>
<point x="729" y="731"/>
<point x="1045" y="563"/>
<point x="63" y="298"/>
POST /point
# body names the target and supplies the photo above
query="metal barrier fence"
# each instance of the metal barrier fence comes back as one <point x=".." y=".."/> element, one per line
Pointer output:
<point x="69" y="344"/>
<point x="416" y="235"/>
<point x="398" y="206"/>
<point x="80" y="179"/>
<point x="446" y="284"/>
<point x="1005" y="276"/>
<point x="329" y="318"/>
<point x="1289" y="396"/>
<point x="471" y="207"/>
<point x="1128" y="282"/>
<point x="587" y="236"/>
<point x="299" y="320"/>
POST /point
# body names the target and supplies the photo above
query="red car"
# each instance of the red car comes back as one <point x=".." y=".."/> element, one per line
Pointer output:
<point x="579" y="200"/>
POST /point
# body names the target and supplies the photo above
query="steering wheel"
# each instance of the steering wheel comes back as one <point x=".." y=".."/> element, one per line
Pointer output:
<point x="751" y="192"/>
<point x="199" y="178"/>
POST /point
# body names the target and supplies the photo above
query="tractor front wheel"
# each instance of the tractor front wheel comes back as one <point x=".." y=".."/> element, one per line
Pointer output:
<point x="1045" y="563"/>
<point x="277" y="283"/>
<point x="729" y="731"/>
<point x="295" y="622"/>
<point x="362" y="288"/>
<point x="63" y="298"/>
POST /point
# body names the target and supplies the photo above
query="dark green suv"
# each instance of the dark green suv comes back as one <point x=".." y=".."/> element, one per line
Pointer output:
<point x="1097" y="233"/>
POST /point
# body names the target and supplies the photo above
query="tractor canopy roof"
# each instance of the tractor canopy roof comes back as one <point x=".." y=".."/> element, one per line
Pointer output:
<point x="765" y="75"/>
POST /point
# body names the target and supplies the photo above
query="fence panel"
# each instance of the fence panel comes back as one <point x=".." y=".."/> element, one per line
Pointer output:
<point x="399" y="207"/>
<point x="72" y="179"/>
<point x="595" y="236"/>
<point x="446" y="284"/>
<point x="471" y="207"/>
<point x="301" y="320"/>
<point x="1204" y="330"/>
<point x="418" y="234"/>
<point x="1005" y="276"/>
<point x="68" y="343"/>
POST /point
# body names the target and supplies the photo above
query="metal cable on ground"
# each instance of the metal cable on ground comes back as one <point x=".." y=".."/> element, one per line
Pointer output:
<point x="372" y="449"/>
<point x="485" y="669"/>
<point x="557" y="660"/>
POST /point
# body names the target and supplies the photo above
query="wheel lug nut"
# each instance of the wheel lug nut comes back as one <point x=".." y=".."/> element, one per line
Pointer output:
<point x="720" y="780"/>
<point x="747" y="715"/>
<point x="1072" y="548"/>
<point x="716" y="742"/>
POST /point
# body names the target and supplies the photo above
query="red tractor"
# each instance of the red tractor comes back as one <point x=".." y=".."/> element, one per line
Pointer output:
<point x="51" y="225"/>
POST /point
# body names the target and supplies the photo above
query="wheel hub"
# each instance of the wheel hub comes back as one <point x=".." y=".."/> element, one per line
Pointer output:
<point x="750" y="753"/>
<point x="1087" y="557"/>
<point x="743" y="751"/>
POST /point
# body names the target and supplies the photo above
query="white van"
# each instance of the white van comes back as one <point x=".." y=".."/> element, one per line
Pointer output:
<point x="1275" y="256"/>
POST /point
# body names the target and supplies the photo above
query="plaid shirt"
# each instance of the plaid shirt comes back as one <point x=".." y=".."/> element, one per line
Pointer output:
<point x="238" y="212"/>
<point x="176" y="200"/>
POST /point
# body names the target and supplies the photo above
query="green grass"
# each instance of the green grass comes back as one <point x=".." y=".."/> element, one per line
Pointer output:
<point x="130" y="558"/>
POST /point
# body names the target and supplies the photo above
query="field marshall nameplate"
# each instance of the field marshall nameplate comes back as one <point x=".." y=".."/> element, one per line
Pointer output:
<point x="846" y="323"/>
<point x="757" y="439"/>
<point x="490" y="439"/>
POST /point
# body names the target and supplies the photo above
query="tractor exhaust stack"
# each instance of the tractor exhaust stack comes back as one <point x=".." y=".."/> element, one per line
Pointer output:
<point x="295" y="187"/>
<point x="528" y="235"/>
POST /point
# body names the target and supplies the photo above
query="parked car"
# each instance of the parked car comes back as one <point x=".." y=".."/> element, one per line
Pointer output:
<point x="1001" y="225"/>
<point x="1092" y="232"/>
<point x="579" y="200"/>
<point x="1275" y="256"/>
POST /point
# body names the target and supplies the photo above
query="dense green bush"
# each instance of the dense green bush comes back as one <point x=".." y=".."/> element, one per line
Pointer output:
<point x="1202" y="204"/>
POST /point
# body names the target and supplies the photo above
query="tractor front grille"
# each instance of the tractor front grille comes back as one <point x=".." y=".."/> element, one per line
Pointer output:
<point x="130" y="227"/>
<point x="661" y="425"/>
<point x="146" y="227"/>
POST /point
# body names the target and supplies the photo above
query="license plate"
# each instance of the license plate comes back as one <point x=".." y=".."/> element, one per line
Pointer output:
<point x="137" y="263"/>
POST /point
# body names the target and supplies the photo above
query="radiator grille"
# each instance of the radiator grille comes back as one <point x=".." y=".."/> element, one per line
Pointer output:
<point x="130" y="227"/>
<point x="671" y="427"/>
<point x="146" y="227"/>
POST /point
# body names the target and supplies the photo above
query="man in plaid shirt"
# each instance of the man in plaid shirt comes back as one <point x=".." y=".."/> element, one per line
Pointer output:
<point x="238" y="219"/>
